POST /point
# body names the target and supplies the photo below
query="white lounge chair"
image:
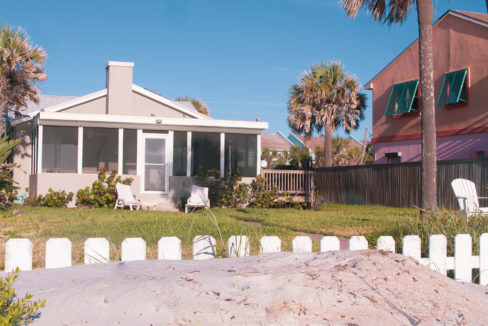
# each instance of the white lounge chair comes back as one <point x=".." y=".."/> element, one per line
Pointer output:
<point x="125" y="198"/>
<point x="198" y="198"/>
<point x="468" y="200"/>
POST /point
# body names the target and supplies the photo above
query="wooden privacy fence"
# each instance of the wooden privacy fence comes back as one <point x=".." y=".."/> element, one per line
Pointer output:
<point x="397" y="185"/>
<point x="18" y="252"/>
<point x="294" y="182"/>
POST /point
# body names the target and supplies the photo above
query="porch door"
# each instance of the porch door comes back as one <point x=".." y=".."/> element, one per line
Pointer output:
<point x="155" y="177"/>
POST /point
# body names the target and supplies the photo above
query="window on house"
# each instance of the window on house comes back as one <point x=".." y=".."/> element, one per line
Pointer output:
<point x="59" y="149"/>
<point x="129" y="165"/>
<point x="454" y="88"/>
<point x="179" y="153"/>
<point x="394" y="157"/>
<point x="205" y="152"/>
<point x="404" y="98"/>
<point x="241" y="154"/>
<point x="100" y="149"/>
<point x="479" y="154"/>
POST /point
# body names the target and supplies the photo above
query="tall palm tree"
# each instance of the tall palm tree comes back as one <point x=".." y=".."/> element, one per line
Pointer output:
<point x="396" y="11"/>
<point x="326" y="97"/>
<point x="21" y="67"/>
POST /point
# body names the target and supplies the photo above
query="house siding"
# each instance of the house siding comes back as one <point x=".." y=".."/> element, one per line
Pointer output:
<point x="458" y="44"/>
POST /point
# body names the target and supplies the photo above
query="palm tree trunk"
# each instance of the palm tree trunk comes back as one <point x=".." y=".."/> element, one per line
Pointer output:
<point x="328" y="145"/>
<point x="429" y="159"/>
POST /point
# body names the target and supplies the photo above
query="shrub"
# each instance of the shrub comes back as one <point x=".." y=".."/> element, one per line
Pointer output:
<point x="231" y="192"/>
<point x="8" y="189"/>
<point x="51" y="199"/>
<point x="261" y="198"/>
<point x="16" y="311"/>
<point x="226" y="192"/>
<point x="102" y="192"/>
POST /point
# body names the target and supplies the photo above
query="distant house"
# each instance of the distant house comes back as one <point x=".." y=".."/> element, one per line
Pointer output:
<point x="159" y="142"/>
<point x="277" y="142"/>
<point x="460" y="45"/>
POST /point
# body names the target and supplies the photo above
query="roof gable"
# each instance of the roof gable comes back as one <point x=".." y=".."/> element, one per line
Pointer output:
<point x="478" y="18"/>
<point x="75" y="104"/>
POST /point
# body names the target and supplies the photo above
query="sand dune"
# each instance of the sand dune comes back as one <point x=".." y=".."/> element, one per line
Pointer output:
<point x="337" y="288"/>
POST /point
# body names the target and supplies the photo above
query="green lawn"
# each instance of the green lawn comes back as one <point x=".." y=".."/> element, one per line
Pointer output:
<point x="40" y="224"/>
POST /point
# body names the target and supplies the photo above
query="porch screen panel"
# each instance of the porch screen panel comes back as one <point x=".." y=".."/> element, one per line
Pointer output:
<point x="130" y="152"/>
<point x="100" y="149"/>
<point x="179" y="153"/>
<point x="205" y="152"/>
<point x="59" y="149"/>
<point x="241" y="154"/>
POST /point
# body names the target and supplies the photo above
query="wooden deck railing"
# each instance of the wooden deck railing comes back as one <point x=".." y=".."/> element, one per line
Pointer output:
<point x="294" y="182"/>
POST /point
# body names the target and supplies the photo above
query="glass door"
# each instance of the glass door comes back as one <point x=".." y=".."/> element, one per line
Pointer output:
<point x="156" y="172"/>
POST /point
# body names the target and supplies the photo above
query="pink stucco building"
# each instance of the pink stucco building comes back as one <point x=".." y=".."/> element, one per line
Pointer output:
<point x="460" y="44"/>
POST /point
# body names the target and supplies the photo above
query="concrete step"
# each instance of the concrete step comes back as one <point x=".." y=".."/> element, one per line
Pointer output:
<point x="164" y="203"/>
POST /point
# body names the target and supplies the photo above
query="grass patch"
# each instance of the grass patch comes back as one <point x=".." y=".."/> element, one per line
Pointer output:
<point x="40" y="224"/>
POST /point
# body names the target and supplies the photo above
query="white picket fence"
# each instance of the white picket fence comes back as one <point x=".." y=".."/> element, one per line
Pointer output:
<point x="18" y="252"/>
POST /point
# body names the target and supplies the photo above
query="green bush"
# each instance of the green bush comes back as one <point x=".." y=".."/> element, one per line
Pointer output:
<point x="226" y="192"/>
<point x="8" y="189"/>
<point x="448" y="223"/>
<point x="231" y="192"/>
<point x="102" y="192"/>
<point x="262" y="198"/>
<point x="51" y="199"/>
<point x="16" y="311"/>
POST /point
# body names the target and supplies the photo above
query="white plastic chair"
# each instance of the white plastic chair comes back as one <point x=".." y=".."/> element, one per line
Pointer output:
<point x="125" y="198"/>
<point x="468" y="200"/>
<point x="198" y="198"/>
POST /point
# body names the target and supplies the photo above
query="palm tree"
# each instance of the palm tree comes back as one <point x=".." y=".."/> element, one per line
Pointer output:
<point x="396" y="11"/>
<point x="20" y="69"/>
<point x="326" y="97"/>
<point x="197" y="103"/>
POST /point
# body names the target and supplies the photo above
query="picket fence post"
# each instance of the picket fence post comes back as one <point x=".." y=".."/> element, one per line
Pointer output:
<point x="169" y="248"/>
<point x="58" y="253"/>
<point x="329" y="243"/>
<point x="301" y="244"/>
<point x="270" y="244"/>
<point x="238" y="246"/>
<point x="204" y="247"/>
<point x="97" y="250"/>
<point x="133" y="249"/>
<point x="18" y="253"/>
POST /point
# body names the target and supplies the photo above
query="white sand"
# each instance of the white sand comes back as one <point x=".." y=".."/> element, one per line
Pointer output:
<point x="337" y="288"/>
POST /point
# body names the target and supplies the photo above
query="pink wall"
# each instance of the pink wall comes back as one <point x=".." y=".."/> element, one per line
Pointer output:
<point x="448" y="148"/>
<point x="457" y="44"/>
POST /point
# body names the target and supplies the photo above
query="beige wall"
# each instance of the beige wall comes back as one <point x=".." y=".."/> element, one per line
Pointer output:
<point x="140" y="106"/>
<point x="144" y="106"/>
<point x="22" y="155"/>
<point x="457" y="44"/>
<point x="97" y="106"/>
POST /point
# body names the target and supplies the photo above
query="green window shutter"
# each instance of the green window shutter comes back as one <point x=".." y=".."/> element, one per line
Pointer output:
<point x="401" y="98"/>
<point x="452" y="87"/>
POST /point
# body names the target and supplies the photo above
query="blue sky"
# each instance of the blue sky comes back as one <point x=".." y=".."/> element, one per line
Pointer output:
<point x="239" y="57"/>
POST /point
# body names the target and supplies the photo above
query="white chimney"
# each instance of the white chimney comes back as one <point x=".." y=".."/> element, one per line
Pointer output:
<point x="119" y="87"/>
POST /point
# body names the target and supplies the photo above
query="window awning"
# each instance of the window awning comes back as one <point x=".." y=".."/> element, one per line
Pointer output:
<point x="402" y="97"/>
<point x="452" y="88"/>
